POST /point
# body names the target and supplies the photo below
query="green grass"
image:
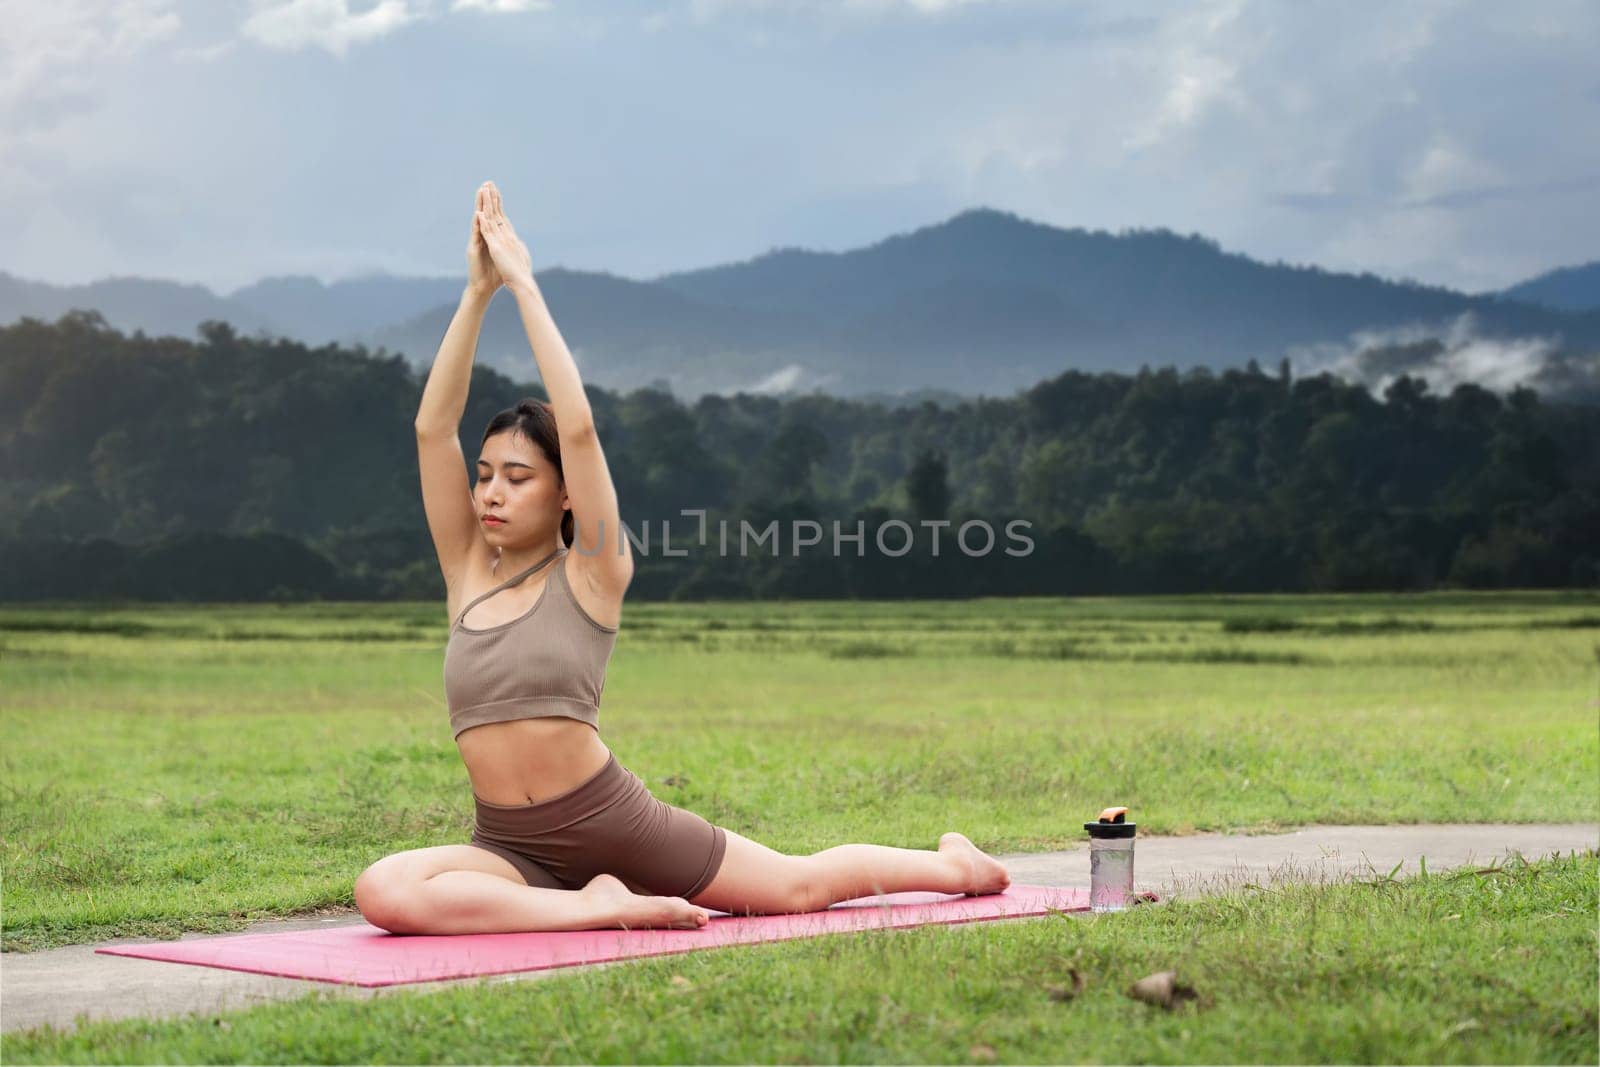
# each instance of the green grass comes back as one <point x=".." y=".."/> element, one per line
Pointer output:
<point x="173" y="768"/>
<point x="1472" y="966"/>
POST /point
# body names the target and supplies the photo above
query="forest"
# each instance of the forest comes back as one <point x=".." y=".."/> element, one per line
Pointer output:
<point x="233" y="468"/>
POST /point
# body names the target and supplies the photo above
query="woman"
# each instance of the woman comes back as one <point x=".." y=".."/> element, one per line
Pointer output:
<point x="564" y="837"/>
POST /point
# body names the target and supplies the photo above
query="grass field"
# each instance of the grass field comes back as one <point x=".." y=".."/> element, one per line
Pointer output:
<point x="1461" y="968"/>
<point x="173" y="768"/>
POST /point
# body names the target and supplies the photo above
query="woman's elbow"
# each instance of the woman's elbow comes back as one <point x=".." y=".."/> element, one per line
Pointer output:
<point x="577" y="428"/>
<point x="433" y="428"/>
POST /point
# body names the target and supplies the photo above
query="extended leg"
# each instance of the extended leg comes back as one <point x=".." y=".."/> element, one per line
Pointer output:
<point x="846" y="872"/>
<point x="754" y="879"/>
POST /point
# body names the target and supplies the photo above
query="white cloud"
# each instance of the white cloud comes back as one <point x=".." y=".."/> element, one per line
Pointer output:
<point x="209" y="53"/>
<point x="325" y="24"/>
<point x="48" y="52"/>
<point x="926" y="7"/>
<point x="1445" y="355"/>
<point x="1450" y="141"/>
<point x="702" y="10"/>
<point x="501" y="7"/>
<point x="332" y="26"/>
<point x="1444" y="167"/>
<point x="790" y="378"/>
<point x="781" y="380"/>
<point x="1445" y="141"/>
<point x="1195" y="70"/>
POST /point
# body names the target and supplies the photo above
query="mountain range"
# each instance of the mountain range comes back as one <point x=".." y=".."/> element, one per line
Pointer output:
<point x="985" y="302"/>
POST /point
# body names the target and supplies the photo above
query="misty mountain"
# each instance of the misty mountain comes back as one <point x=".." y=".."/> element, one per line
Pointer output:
<point x="985" y="302"/>
<point x="1142" y="296"/>
<point x="159" y="308"/>
<point x="624" y="334"/>
<point x="345" y="310"/>
<point x="1566" y="289"/>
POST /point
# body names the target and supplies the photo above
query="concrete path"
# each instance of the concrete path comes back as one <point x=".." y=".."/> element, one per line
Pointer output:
<point x="60" y="985"/>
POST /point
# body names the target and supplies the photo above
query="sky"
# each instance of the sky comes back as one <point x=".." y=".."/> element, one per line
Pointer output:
<point x="221" y="141"/>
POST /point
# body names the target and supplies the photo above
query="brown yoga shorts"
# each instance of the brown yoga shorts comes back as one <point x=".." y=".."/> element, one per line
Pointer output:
<point x="609" y="824"/>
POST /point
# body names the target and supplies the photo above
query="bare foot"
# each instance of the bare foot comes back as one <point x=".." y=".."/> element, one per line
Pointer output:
<point x="632" y="910"/>
<point x="983" y="873"/>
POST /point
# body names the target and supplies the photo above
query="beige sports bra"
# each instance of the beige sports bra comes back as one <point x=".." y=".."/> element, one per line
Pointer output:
<point x="551" y="660"/>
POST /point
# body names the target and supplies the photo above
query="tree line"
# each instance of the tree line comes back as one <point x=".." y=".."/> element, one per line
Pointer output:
<point x="246" y="468"/>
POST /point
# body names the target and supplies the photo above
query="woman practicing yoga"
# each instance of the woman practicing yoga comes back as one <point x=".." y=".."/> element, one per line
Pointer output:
<point x="565" y="837"/>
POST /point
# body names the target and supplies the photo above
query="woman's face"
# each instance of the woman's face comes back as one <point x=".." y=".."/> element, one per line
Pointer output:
<point x="518" y="484"/>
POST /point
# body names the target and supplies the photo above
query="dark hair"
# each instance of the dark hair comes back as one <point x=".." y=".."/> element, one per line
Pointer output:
<point x="535" y="420"/>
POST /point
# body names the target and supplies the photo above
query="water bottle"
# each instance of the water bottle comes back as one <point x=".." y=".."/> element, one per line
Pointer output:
<point x="1110" y="861"/>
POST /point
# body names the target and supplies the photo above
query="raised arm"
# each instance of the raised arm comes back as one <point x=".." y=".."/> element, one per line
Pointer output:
<point x="605" y="558"/>
<point x="446" y="494"/>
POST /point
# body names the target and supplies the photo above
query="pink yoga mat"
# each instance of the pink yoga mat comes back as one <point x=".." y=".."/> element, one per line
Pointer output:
<point x="365" y="955"/>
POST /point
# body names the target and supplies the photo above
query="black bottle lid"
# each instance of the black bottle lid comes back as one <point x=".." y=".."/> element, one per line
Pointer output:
<point x="1112" y="823"/>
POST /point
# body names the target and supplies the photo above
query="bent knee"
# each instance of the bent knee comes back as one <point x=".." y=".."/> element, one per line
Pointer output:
<point x="384" y="902"/>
